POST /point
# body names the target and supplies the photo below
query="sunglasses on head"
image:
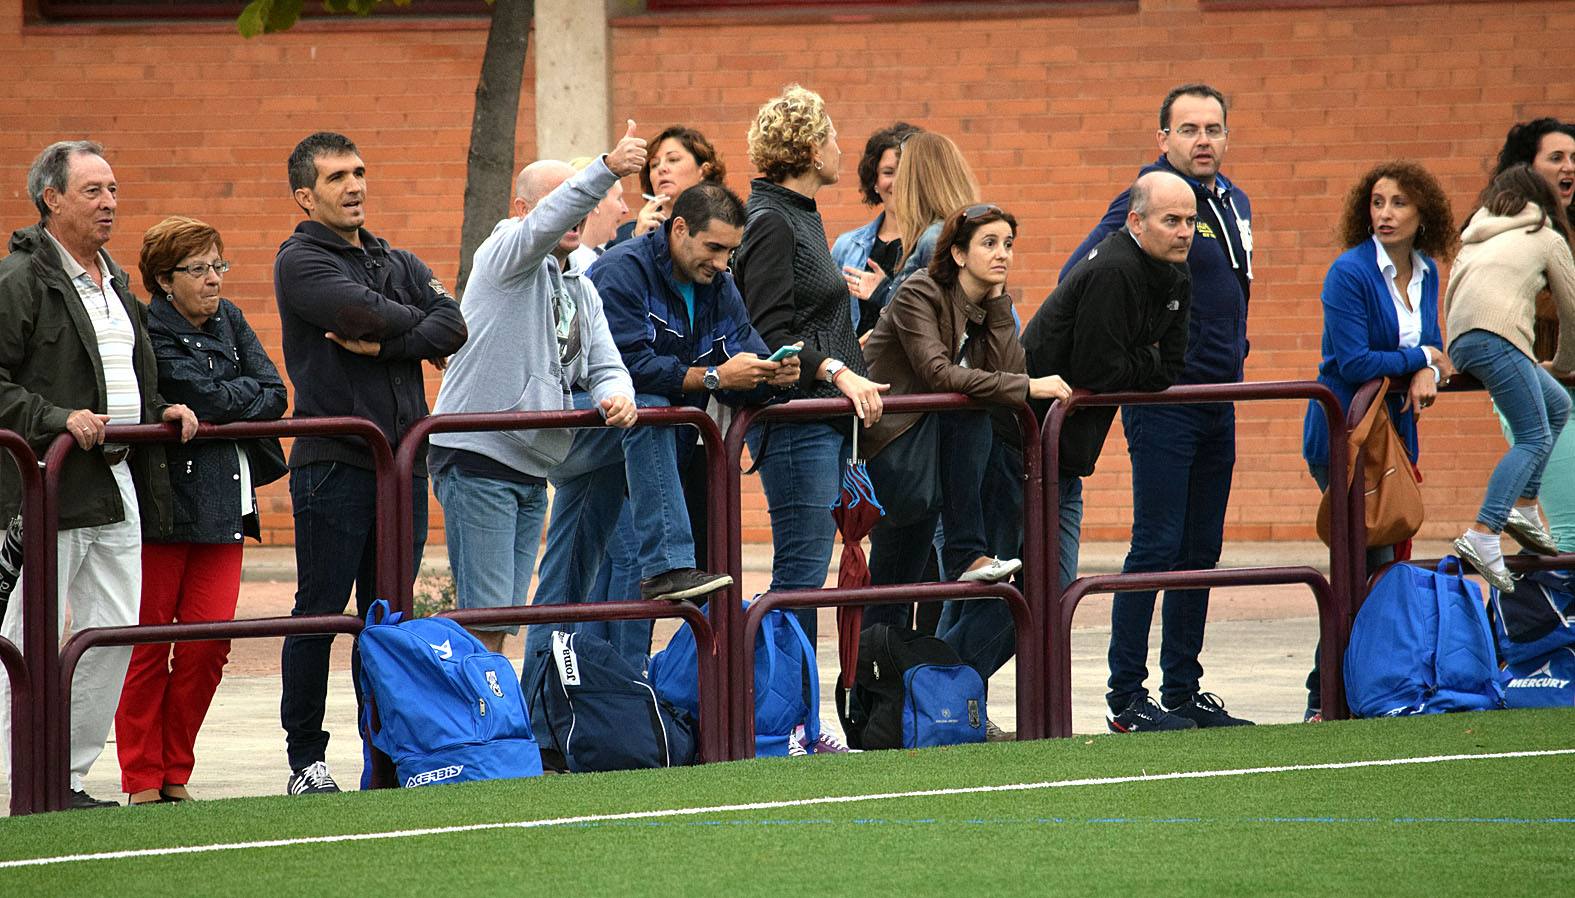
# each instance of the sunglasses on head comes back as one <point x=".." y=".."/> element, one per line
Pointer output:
<point x="980" y="210"/>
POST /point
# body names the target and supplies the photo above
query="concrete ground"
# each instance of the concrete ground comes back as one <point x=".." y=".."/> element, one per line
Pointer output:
<point x="1256" y="658"/>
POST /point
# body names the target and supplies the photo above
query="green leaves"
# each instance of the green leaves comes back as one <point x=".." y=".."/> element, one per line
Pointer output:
<point x="268" y="17"/>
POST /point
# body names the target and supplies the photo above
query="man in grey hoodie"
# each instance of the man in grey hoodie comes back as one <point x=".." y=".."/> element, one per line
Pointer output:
<point x="537" y="335"/>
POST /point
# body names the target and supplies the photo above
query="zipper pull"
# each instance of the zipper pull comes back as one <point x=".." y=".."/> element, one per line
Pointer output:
<point x="483" y="703"/>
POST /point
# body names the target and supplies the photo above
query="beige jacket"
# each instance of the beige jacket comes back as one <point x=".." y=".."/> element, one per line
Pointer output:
<point x="1502" y="266"/>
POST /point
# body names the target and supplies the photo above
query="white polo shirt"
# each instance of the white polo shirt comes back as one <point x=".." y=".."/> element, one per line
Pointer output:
<point x="114" y="332"/>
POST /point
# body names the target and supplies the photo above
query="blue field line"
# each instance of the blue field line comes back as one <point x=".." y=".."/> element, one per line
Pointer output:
<point x="1065" y="821"/>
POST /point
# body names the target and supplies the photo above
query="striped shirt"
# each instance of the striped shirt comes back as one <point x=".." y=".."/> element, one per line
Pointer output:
<point x="114" y="332"/>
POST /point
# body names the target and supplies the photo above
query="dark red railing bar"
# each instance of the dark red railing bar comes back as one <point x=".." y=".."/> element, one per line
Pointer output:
<point x="1333" y="682"/>
<point x="54" y="762"/>
<point x="718" y="528"/>
<point x="23" y="776"/>
<point x="713" y="741"/>
<point x="1029" y="702"/>
<point x="821" y="409"/>
<point x="40" y="638"/>
<point x="1058" y="694"/>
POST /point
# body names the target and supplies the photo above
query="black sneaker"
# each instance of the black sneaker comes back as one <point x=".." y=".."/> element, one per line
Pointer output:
<point x="1145" y="715"/>
<point x="683" y="583"/>
<point x="81" y="801"/>
<point x="1206" y="710"/>
<point x="311" y="780"/>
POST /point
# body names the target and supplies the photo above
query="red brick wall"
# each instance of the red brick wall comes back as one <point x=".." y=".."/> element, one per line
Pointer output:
<point x="1056" y="113"/>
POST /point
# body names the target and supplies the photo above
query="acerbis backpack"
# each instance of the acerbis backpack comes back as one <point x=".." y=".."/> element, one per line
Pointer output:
<point x="910" y="691"/>
<point x="1534" y="621"/>
<point x="1421" y="645"/>
<point x="441" y="706"/>
<point x="787" y="681"/>
<point x="593" y="711"/>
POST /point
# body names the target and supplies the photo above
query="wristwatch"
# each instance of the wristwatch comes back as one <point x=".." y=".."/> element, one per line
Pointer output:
<point x="833" y="368"/>
<point x="713" y="381"/>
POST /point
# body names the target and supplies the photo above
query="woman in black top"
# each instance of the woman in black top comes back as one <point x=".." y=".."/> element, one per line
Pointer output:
<point x="796" y="294"/>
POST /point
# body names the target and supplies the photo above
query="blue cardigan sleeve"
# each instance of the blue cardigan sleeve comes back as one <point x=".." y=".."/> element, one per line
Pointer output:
<point x="1348" y="327"/>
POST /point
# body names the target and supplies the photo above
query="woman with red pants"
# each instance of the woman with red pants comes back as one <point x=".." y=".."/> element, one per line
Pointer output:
<point x="208" y="356"/>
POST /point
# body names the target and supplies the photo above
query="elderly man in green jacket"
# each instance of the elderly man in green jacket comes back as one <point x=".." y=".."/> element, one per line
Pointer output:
<point x="75" y="358"/>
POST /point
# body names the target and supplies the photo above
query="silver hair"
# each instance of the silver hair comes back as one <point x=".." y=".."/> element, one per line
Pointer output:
<point x="52" y="168"/>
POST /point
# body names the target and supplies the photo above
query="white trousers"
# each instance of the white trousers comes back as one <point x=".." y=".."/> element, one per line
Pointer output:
<point x="100" y="580"/>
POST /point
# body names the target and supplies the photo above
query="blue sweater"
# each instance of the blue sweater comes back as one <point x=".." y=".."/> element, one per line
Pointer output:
<point x="649" y="320"/>
<point x="1361" y="340"/>
<point x="1221" y="266"/>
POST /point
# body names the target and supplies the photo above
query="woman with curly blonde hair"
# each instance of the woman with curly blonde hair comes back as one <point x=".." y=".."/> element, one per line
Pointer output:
<point x="797" y="296"/>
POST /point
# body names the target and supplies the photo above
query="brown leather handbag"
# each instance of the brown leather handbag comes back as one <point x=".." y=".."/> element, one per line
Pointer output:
<point x="1393" y="500"/>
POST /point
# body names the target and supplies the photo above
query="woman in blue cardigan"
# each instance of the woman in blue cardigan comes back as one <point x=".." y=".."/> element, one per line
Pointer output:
<point x="1380" y="315"/>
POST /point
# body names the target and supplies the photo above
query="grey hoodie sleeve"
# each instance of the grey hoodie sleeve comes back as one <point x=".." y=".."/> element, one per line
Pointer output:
<point x="605" y="374"/>
<point x="518" y="245"/>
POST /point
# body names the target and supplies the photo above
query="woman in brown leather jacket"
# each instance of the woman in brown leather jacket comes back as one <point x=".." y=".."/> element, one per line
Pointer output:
<point x="949" y="329"/>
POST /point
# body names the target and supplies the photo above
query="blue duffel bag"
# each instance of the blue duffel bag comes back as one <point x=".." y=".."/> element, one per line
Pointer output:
<point x="1421" y="645"/>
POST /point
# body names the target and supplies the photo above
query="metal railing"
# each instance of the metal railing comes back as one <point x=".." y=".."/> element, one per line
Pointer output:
<point x="741" y="673"/>
<point x="1336" y="603"/>
<point x="713" y="704"/>
<point x="52" y="667"/>
<point x="27" y="665"/>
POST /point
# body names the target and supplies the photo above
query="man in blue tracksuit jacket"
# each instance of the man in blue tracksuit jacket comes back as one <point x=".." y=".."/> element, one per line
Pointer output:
<point x="1183" y="455"/>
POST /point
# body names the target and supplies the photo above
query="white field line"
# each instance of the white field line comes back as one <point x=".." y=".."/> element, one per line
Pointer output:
<point x="765" y="806"/>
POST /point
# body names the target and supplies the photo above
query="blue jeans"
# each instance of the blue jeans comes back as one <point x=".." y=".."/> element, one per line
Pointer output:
<point x="589" y="497"/>
<point x="335" y="550"/>
<point x="1533" y="403"/>
<point x="618" y="580"/>
<point x="960" y="451"/>
<point x="494" y="529"/>
<point x="982" y="630"/>
<point x="801" y="473"/>
<point x="1182" y="460"/>
<point x="1377" y="557"/>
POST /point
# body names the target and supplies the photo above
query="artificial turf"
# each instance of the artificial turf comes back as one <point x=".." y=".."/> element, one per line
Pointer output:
<point x="1497" y="827"/>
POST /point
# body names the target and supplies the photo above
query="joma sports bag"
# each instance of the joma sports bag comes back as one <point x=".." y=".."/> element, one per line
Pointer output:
<point x="787" y="681"/>
<point x="443" y="708"/>
<point x="1421" y="645"/>
<point x="593" y="711"/>
<point x="910" y="691"/>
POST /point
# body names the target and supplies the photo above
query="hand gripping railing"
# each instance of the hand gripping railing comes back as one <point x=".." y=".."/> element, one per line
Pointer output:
<point x="1362" y="580"/>
<point x="740" y="672"/>
<point x="712" y="651"/>
<point x="56" y="711"/>
<point x="27" y="665"/>
<point x="1028" y="706"/>
<point x="1333" y="595"/>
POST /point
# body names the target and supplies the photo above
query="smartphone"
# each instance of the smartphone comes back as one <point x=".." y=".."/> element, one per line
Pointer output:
<point x="785" y="353"/>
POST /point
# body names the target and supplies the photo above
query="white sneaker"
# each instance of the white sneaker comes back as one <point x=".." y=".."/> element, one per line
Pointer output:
<point x="997" y="570"/>
<point x="796" y="747"/>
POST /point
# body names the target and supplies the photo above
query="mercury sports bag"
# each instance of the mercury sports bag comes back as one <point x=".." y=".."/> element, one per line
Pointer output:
<point x="910" y="691"/>
<point x="443" y="708"/>
<point x="1534" y="620"/>
<point x="594" y="711"/>
<point x="1421" y="645"/>
<point x="1542" y="682"/>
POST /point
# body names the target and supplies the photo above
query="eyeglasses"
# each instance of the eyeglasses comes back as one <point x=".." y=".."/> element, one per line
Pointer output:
<point x="200" y="270"/>
<point x="1191" y="132"/>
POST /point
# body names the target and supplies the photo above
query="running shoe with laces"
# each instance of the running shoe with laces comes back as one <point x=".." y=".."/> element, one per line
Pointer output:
<point x="796" y="747"/>
<point x="311" y="780"/>
<point x="828" y="744"/>
<point x="1144" y="715"/>
<point x="1206" y="710"/>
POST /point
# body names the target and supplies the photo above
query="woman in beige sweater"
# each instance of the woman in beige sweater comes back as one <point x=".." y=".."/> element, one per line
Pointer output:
<point x="1515" y="245"/>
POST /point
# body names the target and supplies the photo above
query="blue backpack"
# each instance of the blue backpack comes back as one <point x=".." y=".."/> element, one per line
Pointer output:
<point x="911" y="690"/>
<point x="1421" y="645"/>
<point x="1542" y="682"/>
<point x="787" y="682"/>
<point x="443" y="708"/>
<point x="1534" y="621"/>
<point x="594" y="712"/>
